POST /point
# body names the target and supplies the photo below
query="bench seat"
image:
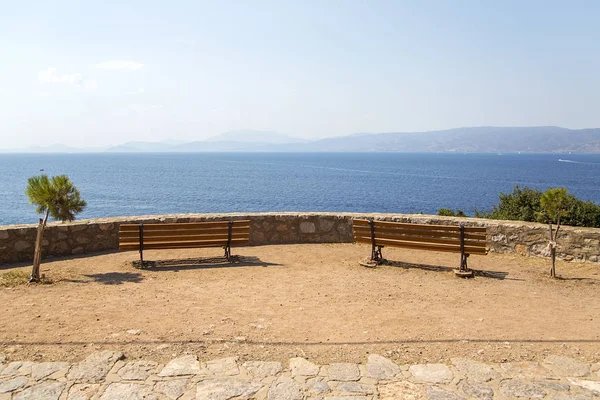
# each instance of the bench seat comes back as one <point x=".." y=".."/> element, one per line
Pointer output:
<point x="461" y="239"/>
<point x="182" y="235"/>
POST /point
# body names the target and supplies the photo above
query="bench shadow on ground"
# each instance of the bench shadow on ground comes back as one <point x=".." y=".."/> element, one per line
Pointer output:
<point x="110" y="278"/>
<point x="201" y="263"/>
<point x="500" y="275"/>
<point x="589" y="281"/>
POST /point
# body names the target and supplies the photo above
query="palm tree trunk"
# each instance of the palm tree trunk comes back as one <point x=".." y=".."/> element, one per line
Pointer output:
<point x="552" y="269"/>
<point x="37" y="255"/>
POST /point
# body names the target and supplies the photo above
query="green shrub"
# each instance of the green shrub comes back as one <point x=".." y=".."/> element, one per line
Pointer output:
<point x="446" y="212"/>
<point x="523" y="204"/>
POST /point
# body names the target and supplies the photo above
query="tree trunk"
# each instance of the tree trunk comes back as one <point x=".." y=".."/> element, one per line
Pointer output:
<point x="553" y="255"/>
<point x="37" y="255"/>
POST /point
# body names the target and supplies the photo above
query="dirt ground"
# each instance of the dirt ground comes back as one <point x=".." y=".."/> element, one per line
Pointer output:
<point x="314" y="301"/>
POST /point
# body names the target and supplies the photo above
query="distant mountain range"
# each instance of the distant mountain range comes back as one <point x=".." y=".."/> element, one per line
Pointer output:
<point x="539" y="139"/>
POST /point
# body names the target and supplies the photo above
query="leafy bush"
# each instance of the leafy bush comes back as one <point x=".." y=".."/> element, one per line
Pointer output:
<point x="524" y="204"/>
<point x="446" y="212"/>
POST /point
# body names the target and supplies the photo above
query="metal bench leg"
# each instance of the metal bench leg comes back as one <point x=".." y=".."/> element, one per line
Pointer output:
<point x="227" y="247"/>
<point x="463" y="270"/>
<point x="376" y="254"/>
<point x="141" y="231"/>
<point x="463" y="262"/>
<point x="375" y="249"/>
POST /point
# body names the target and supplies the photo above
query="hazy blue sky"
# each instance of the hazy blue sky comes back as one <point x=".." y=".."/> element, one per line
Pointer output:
<point x="104" y="72"/>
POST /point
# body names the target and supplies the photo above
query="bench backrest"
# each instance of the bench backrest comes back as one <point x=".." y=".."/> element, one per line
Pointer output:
<point x="420" y="236"/>
<point x="183" y="235"/>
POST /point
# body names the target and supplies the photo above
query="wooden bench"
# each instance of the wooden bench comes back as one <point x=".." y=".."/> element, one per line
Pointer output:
<point x="224" y="234"/>
<point x="461" y="239"/>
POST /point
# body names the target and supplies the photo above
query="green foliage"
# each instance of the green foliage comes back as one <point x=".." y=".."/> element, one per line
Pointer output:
<point x="555" y="205"/>
<point x="446" y="212"/>
<point x="525" y="204"/>
<point x="522" y="204"/>
<point x="56" y="196"/>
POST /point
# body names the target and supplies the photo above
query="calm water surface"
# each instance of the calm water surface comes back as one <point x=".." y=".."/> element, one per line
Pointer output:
<point x="136" y="184"/>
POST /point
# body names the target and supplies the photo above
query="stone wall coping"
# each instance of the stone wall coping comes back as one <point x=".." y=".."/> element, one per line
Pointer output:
<point x="423" y="218"/>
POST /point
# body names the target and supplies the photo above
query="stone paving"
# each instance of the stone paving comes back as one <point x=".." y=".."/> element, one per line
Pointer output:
<point x="107" y="375"/>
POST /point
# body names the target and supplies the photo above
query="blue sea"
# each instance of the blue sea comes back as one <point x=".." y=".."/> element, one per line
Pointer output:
<point x="141" y="184"/>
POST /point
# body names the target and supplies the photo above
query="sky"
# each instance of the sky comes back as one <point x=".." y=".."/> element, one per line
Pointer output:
<point x="101" y="73"/>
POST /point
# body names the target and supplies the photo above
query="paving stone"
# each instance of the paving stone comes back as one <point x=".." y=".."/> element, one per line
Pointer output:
<point x="83" y="391"/>
<point x="475" y="371"/>
<point x="515" y="388"/>
<point x="263" y="369"/>
<point x="432" y="373"/>
<point x="593" y="386"/>
<point x="303" y="367"/>
<point x="566" y="366"/>
<point x="348" y="398"/>
<point x="564" y="396"/>
<point x="42" y="370"/>
<point x="285" y="388"/>
<point x="128" y="391"/>
<point x="44" y="391"/>
<point x="95" y="367"/>
<point x="225" y="388"/>
<point x="186" y="365"/>
<point x="317" y="385"/>
<point x="17" y="368"/>
<point x="12" y="384"/>
<point x="355" y="387"/>
<point x="525" y="369"/>
<point x="476" y="390"/>
<point x="343" y="372"/>
<point x="553" y="385"/>
<point x="137" y="370"/>
<point x="436" y="393"/>
<point x="401" y="390"/>
<point x="381" y="368"/>
<point x="224" y="366"/>
<point x="173" y="389"/>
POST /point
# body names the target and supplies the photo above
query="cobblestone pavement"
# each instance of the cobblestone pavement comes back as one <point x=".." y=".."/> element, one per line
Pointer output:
<point x="108" y="375"/>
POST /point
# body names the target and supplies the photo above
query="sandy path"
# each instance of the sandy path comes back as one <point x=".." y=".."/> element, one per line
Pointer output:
<point x="313" y="300"/>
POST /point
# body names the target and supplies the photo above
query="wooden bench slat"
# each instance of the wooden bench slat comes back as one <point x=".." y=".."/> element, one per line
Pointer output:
<point x="183" y="225"/>
<point x="451" y="234"/>
<point x="423" y="246"/>
<point x="219" y="231"/>
<point x="383" y="224"/>
<point x="182" y="244"/>
<point x="451" y="241"/>
<point x="171" y="238"/>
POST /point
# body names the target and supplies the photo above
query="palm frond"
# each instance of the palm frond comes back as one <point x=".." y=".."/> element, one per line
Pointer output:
<point x="58" y="196"/>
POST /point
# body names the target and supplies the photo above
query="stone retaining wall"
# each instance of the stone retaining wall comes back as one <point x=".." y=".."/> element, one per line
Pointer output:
<point x="89" y="236"/>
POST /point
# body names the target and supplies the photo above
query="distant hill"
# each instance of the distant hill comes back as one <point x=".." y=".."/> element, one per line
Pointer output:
<point x="485" y="139"/>
<point x="541" y="139"/>
<point x="250" y="136"/>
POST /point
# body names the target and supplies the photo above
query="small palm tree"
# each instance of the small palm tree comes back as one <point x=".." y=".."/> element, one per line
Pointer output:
<point x="55" y="197"/>
<point x="555" y="205"/>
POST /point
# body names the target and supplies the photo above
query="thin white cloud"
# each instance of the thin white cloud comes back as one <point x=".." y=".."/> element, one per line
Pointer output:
<point x="49" y="75"/>
<point x="119" y="65"/>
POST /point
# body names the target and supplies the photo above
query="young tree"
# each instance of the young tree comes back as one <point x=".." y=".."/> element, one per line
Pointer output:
<point x="554" y="206"/>
<point x="55" y="197"/>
